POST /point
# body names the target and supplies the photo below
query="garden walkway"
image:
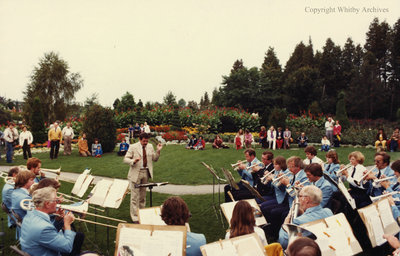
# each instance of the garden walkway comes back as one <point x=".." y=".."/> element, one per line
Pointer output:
<point x="167" y="189"/>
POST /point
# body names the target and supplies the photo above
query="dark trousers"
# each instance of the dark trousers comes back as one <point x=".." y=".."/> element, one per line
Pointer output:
<point x="273" y="212"/>
<point x="242" y="193"/>
<point x="76" y="247"/>
<point x="26" y="150"/>
<point x="10" y="151"/>
<point x="54" y="147"/>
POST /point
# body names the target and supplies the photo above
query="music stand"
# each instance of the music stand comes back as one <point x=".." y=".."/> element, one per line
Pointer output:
<point x="150" y="186"/>
<point x="252" y="190"/>
<point x="215" y="177"/>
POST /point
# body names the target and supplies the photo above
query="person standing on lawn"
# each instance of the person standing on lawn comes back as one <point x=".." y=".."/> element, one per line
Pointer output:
<point x="55" y="137"/>
<point x="68" y="135"/>
<point x="140" y="157"/>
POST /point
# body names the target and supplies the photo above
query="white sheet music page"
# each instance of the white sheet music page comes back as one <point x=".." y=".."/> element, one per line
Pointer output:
<point x="85" y="185"/>
<point x="78" y="183"/>
<point x="248" y="247"/>
<point x="223" y="248"/>
<point x="386" y="213"/>
<point x="116" y="193"/>
<point x="100" y="192"/>
<point x="375" y="221"/>
<point x="151" y="216"/>
<point x="158" y="243"/>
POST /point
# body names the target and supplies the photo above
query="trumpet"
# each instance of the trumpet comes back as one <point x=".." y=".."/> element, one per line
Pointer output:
<point x="291" y="190"/>
<point x="276" y="182"/>
<point x="237" y="164"/>
<point x="264" y="178"/>
<point x="28" y="205"/>
<point x="338" y="173"/>
<point x="358" y="182"/>
<point x="253" y="165"/>
<point x="376" y="198"/>
<point x="56" y="171"/>
<point x="377" y="181"/>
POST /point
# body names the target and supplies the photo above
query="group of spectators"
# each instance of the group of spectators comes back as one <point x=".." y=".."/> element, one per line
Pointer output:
<point x="383" y="142"/>
<point x="134" y="131"/>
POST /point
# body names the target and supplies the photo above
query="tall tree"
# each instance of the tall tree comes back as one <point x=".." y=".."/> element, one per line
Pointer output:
<point x="127" y="102"/>
<point x="205" y="101"/>
<point x="52" y="81"/>
<point x="38" y="129"/>
<point x="331" y="75"/>
<point x="394" y="80"/>
<point x="170" y="99"/>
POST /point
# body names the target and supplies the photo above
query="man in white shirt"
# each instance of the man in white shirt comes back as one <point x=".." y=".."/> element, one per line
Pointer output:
<point x="10" y="136"/>
<point x="68" y="135"/>
<point x="329" y="124"/>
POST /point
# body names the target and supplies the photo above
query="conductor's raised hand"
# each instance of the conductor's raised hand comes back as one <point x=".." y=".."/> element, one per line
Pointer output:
<point x="159" y="147"/>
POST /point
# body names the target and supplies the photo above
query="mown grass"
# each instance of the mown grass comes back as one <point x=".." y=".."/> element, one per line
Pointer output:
<point x="178" y="165"/>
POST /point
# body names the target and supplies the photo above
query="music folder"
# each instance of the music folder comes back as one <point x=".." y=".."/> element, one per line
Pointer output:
<point x="227" y="209"/>
<point x="378" y="219"/>
<point x="252" y="190"/>
<point x="241" y="245"/>
<point x="148" y="240"/>
<point x="150" y="216"/>
<point x="109" y="193"/>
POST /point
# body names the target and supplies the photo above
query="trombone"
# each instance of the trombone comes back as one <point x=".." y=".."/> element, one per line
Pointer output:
<point x="27" y="204"/>
<point x="76" y="198"/>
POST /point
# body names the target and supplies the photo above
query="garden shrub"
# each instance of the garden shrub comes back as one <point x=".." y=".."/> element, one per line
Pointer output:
<point x="37" y="122"/>
<point x="341" y="113"/>
<point x="228" y="124"/>
<point x="99" y="123"/>
<point x="277" y="117"/>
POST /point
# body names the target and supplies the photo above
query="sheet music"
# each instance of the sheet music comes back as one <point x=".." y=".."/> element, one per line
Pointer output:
<point x="228" y="211"/>
<point x="222" y="248"/>
<point x="79" y="181"/>
<point x="377" y="228"/>
<point x="100" y="192"/>
<point x="116" y="193"/>
<point x="386" y="213"/>
<point x="85" y="185"/>
<point x="248" y="247"/>
<point x="143" y="242"/>
<point x="151" y="216"/>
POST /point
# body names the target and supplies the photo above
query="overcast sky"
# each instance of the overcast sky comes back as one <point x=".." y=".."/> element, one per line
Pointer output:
<point x="150" y="47"/>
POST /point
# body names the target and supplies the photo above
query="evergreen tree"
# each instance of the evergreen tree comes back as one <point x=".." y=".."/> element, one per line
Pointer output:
<point x="182" y="103"/>
<point x="116" y="103"/>
<point x="341" y="113"/>
<point x="37" y="122"/>
<point x="99" y="123"/>
<point x="170" y="100"/>
<point x="127" y="102"/>
<point x="394" y="81"/>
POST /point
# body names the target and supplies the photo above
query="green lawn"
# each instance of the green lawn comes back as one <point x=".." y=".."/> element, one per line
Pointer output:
<point x="177" y="165"/>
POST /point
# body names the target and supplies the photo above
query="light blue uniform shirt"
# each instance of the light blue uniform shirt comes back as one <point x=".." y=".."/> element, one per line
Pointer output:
<point x="326" y="188"/>
<point x="193" y="243"/>
<point x="311" y="214"/>
<point x="246" y="175"/>
<point x="6" y="199"/>
<point x="39" y="237"/>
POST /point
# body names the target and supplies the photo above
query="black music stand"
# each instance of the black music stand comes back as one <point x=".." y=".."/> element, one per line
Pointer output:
<point x="219" y="180"/>
<point x="150" y="186"/>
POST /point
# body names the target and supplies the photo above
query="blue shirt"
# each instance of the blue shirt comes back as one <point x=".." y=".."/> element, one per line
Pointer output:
<point x="6" y="199"/>
<point x="300" y="177"/>
<point x="326" y="188"/>
<point x="246" y="175"/>
<point x="193" y="243"/>
<point x="17" y="196"/>
<point x="376" y="190"/>
<point x="40" y="237"/>
<point x="311" y="214"/>
<point x="280" y="191"/>
<point x="123" y="146"/>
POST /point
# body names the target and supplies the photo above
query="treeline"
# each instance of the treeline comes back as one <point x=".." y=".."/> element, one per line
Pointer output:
<point x="368" y="76"/>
